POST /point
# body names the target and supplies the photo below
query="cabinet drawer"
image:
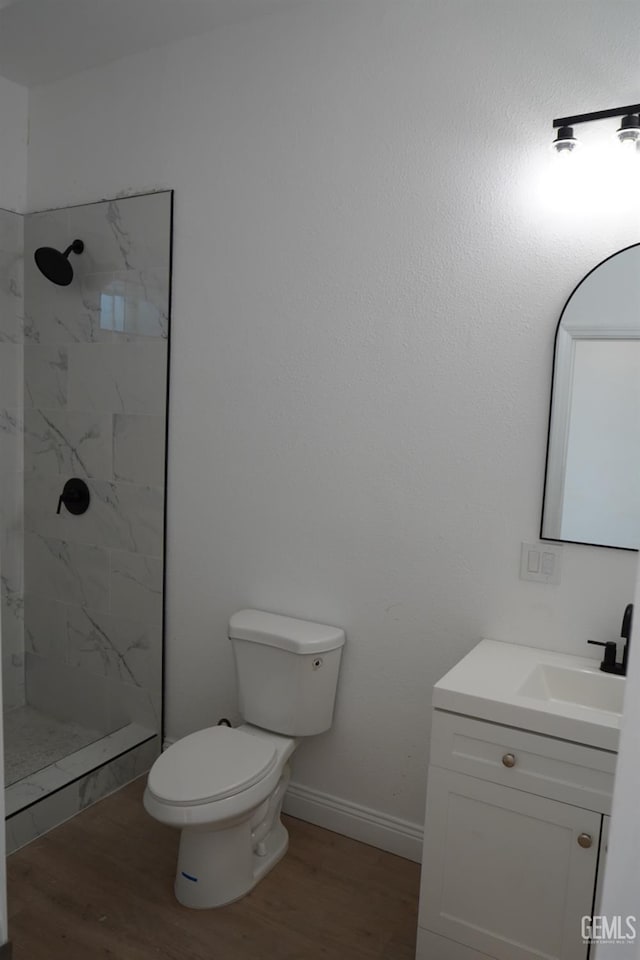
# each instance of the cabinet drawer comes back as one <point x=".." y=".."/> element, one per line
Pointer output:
<point x="558" y="769"/>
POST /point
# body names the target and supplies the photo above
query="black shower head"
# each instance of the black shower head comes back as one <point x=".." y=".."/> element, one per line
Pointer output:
<point x="55" y="265"/>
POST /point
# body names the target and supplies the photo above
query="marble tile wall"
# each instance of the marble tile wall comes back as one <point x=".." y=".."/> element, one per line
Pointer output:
<point x="11" y="420"/>
<point x="70" y="757"/>
<point x="95" y="374"/>
<point x="55" y="804"/>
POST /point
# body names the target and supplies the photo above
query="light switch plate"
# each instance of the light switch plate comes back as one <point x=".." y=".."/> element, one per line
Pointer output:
<point x="540" y="562"/>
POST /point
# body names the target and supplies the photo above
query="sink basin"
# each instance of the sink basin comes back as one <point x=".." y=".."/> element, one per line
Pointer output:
<point x="544" y="691"/>
<point x="587" y="688"/>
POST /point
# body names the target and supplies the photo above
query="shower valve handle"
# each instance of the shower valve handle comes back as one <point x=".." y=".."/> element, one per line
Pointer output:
<point x="75" y="496"/>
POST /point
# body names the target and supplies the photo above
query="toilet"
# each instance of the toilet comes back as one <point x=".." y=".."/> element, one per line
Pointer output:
<point x="223" y="786"/>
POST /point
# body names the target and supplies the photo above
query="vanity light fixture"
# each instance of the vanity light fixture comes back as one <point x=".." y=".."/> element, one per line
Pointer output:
<point x="628" y="133"/>
<point x="565" y="143"/>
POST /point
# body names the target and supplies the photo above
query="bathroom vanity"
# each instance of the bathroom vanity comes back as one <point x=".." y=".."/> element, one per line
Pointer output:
<point x="523" y="752"/>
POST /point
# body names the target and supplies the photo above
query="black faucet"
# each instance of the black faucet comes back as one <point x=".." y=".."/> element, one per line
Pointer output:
<point x="625" y="633"/>
<point x="610" y="662"/>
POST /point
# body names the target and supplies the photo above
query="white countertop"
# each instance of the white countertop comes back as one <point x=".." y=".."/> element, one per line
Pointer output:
<point x="486" y="684"/>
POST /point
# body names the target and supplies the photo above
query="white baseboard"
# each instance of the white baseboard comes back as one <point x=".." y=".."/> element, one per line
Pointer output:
<point x="353" y="820"/>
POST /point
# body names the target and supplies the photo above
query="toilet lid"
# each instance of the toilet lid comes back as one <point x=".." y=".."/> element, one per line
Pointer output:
<point x="209" y="765"/>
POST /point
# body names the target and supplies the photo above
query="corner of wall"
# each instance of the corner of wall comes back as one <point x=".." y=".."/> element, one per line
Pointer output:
<point x="14" y="114"/>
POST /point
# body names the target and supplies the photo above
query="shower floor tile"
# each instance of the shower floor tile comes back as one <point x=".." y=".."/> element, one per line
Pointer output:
<point x="33" y="740"/>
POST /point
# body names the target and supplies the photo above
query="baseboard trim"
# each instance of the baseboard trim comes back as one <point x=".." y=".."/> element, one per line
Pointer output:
<point x="356" y="821"/>
<point x="351" y="820"/>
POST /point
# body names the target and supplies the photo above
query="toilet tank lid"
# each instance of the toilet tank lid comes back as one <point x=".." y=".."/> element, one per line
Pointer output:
<point x="288" y="633"/>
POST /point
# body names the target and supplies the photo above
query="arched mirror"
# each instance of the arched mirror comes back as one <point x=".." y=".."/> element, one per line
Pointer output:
<point x="592" y="482"/>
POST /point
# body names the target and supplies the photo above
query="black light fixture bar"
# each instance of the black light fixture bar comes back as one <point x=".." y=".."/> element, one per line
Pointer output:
<point x="597" y="115"/>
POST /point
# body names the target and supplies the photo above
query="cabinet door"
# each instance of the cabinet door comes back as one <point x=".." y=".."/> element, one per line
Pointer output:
<point x="602" y="863"/>
<point x="503" y="871"/>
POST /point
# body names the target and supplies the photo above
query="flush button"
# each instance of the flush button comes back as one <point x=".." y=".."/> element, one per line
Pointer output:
<point x="509" y="760"/>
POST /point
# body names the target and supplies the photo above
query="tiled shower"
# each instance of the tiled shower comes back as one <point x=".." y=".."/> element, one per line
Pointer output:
<point x="83" y="394"/>
<point x="11" y="456"/>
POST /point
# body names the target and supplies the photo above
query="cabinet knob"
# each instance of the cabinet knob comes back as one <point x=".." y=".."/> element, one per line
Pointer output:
<point x="585" y="840"/>
<point x="509" y="760"/>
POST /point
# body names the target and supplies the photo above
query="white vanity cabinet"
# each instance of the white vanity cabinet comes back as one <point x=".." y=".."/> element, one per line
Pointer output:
<point x="513" y="839"/>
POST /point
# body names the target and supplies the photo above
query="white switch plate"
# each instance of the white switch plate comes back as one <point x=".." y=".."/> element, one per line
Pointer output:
<point x="540" y="562"/>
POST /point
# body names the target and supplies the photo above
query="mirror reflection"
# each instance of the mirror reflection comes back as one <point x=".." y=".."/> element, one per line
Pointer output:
<point x="592" y="494"/>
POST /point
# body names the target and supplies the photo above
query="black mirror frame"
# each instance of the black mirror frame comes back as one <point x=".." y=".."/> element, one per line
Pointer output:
<point x="584" y="543"/>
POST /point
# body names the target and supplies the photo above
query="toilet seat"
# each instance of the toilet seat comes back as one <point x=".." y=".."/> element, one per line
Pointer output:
<point x="209" y="765"/>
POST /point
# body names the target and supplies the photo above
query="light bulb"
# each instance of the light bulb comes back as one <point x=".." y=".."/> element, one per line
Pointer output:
<point x="565" y="143"/>
<point x="629" y="132"/>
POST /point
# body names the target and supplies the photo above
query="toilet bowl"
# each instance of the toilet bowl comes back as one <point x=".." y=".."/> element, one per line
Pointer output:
<point x="223" y="787"/>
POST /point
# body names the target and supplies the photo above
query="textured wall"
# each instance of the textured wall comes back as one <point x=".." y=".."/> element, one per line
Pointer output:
<point x="95" y="396"/>
<point x="368" y="275"/>
<point x="11" y="480"/>
<point x="13" y="145"/>
<point x="13" y="195"/>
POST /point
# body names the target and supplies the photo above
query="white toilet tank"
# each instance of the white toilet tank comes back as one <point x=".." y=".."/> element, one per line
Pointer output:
<point x="287" y="671"/>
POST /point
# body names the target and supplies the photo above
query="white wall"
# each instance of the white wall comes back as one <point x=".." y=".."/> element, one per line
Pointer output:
<point x="622" y="876"/>
<point x="13" y="145"/>
<point x="13" y="195"/>
<point x="368" y="276"/>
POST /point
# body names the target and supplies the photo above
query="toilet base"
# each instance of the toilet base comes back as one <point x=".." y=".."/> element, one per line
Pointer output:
<point x="218" y="867"/>
<point x="276" y="845"/>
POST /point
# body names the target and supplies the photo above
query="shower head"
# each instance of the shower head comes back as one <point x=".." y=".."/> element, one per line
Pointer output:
<point x="55" y="265"/>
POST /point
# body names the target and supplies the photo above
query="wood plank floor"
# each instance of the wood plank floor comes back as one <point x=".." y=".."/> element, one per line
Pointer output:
<point x="100" y="887"/>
